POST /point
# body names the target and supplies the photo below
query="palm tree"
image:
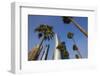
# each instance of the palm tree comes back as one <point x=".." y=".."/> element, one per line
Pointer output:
<point x="70" y="35"/>
<point x="64" y="53"/>
<point x="75" y="48"/>
<point x="76" y="56"/>
<point x="45" y="32"/>
<point x="68" y="20"/>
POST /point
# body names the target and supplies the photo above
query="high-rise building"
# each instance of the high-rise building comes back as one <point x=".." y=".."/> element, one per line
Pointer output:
<point x="57" y="53"/>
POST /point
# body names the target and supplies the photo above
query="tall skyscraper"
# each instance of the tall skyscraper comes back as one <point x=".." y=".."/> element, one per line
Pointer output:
<point x="57" y="53"/>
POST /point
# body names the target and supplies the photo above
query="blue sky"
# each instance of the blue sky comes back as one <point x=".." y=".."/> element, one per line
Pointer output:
<point x="61" y="29"/>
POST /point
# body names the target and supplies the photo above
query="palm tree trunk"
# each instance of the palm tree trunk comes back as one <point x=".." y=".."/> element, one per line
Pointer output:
<point x="74" y="40"/>
<point x="47" y="52"/>
<point x="79" y="53"/>
<point x="79" y="27"/>
<point x="42" y="55"/>
<point x="41" y="43"/>
<point x="38" y="50"/>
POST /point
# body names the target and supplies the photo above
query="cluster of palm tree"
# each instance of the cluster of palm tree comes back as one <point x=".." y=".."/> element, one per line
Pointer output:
<point x="70" y="35"/>
<point x="68" y="20"/>
<point x="45" y="32"/>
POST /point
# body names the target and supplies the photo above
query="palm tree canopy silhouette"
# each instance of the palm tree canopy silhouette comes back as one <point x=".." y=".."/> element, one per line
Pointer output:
<point x="76" y="56"/>
<point x="46" y="31"/>
<point x="70" y="35"/>
<point x="66" y="19"/>
<point x="75" y="47"/>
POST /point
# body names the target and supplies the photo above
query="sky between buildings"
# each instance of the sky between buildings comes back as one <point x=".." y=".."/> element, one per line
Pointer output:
<point x="61" y="29"/>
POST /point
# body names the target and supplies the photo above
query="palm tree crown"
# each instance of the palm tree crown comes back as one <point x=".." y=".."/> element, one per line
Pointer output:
<point x="66" y="19"/>
<point x="76" y="56"/>
<point x="75" y="47"/>
<point x="70" y="35"/>
<point x="45" y="31"/>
